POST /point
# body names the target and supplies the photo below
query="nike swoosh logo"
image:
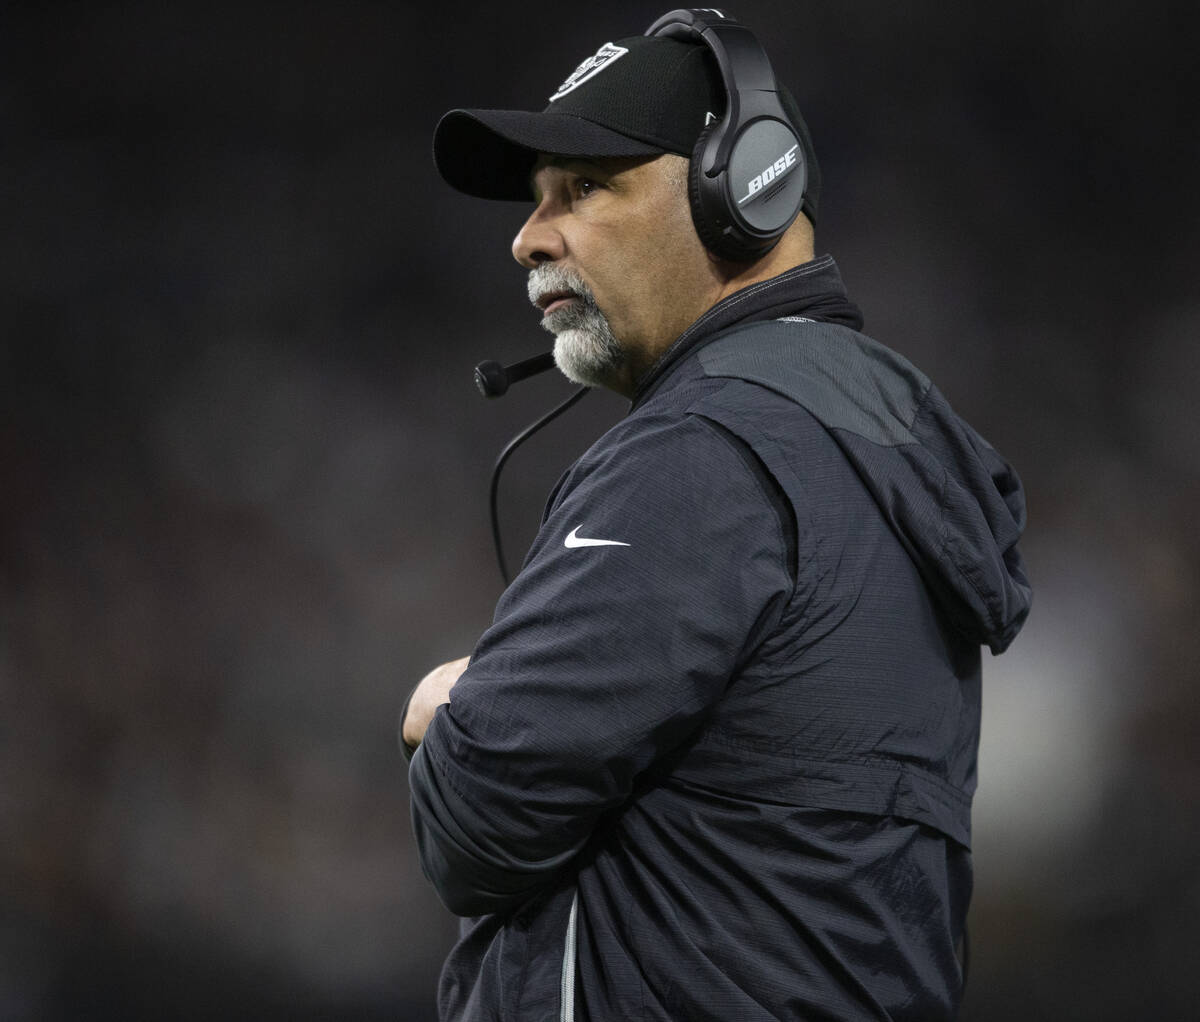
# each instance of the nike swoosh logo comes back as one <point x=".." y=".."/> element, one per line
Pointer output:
<point x="574" y="540"/>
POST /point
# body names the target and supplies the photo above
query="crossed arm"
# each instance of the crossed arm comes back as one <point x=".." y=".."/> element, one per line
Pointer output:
<point x="598" y="663"/>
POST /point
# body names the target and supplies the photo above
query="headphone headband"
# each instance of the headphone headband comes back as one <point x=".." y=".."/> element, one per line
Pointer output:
<point x="731" y="42"/>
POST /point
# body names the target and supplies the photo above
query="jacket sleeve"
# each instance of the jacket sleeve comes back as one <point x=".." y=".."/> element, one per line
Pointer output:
<point x="603" y="657"/>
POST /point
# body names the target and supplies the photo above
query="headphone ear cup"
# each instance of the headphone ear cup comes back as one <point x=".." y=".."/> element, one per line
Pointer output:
<point x="746" y="236"/>
<point x="716" y="223"/>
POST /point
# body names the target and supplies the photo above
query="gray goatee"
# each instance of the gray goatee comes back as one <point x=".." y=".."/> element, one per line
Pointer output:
<point x="585" y="350"/>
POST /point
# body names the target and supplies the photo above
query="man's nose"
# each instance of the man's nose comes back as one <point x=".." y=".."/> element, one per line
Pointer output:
<point x="539" y="240"/>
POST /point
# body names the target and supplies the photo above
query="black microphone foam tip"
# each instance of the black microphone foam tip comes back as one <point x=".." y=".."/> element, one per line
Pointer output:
<point x="491" y="379"/>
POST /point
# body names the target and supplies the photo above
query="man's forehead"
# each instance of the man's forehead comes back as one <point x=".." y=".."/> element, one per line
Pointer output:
<point x="554" y="160"/>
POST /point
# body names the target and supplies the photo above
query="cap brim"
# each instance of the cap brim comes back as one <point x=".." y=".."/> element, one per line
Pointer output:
<point x="491" y="153"/>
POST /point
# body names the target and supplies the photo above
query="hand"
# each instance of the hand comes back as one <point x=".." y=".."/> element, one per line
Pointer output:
<point x="432" y="692"/>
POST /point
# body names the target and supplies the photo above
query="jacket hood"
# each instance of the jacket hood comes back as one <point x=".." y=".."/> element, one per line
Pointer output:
<point x="954" y="502"/>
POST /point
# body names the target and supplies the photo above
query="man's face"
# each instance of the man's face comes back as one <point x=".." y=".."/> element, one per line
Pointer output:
<point x="616" y="264"/>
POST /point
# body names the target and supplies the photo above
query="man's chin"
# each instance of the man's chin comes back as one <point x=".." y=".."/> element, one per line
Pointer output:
<point x="586" y="359"/>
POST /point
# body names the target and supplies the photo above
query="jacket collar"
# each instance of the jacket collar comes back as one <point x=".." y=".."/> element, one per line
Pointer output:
<point x="813" y="289"/>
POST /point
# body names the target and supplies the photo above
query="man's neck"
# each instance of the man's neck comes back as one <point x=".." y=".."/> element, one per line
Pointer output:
<point x="813" y="290"/>
<point x="793" y="250"/>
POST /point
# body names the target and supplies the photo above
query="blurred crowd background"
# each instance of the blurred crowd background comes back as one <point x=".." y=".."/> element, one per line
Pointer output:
<point x="243" y="468"/>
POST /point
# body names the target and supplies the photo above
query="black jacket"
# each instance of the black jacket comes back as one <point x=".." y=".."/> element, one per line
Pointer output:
<point x="720" y="766"/>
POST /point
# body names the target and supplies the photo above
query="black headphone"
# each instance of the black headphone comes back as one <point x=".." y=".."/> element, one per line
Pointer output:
<point x="748" y="171"/>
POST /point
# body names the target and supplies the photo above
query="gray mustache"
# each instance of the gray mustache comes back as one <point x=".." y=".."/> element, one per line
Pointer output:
<point x="548" y="279"/>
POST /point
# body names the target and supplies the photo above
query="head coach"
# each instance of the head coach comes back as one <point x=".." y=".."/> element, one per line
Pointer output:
<point x="714" y="759"/>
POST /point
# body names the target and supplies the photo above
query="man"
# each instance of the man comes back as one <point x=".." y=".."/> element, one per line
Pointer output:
<point x="714" y="759"/>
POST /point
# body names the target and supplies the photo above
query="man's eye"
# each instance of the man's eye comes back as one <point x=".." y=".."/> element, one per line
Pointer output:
<point x="585" y="186"/>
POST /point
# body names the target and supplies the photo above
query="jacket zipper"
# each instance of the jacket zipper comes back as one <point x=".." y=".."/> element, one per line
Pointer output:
<point x="567" y="986"/>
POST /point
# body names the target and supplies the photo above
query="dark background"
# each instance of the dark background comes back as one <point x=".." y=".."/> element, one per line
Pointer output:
<point x="243" y="467"/>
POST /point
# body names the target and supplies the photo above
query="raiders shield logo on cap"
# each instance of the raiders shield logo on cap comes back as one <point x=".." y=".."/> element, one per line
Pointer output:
<point x="590" y="68"/>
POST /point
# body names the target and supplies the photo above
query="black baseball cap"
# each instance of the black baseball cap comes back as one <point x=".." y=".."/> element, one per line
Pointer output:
<point x="639" y="96"/>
